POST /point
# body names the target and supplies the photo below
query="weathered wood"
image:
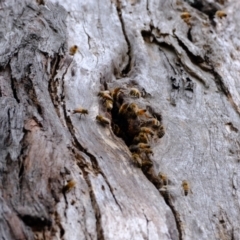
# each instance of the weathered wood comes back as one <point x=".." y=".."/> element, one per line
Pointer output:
<point x="68" y="177"/>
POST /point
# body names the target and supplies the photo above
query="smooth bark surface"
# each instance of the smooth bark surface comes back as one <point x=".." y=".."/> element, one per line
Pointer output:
<point x="186" y="70"/>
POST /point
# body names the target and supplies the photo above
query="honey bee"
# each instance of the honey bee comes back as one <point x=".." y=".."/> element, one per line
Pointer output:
<point x="117" y="94"/>
<point x="141" y="112"/>
<point x="186" y="187"/>
<point x="69" y="186"/>
<point x="105" y="95"/>
<point x="137" y="159"/>
<point x="143" y="145"/>
<point x="140" y="138"/>
<point x="146" y="130"/>
<point x="109" y="104"/>
<point x="132" y="107"/>
<point x="102" y="120"/>
<point x="134" y="148"/>
<point x="221" y="14"/>
<point x="73" y="50"/>
<point x="148" y="151"/>
<point x="185" y="15"/>
<point x="146" y="163"/>
<point x="135" y="92"/>
<point x="82" y="111"/>
<point x="161" y="131"/>
<point x="163" y="177"/>
<point x="123" y="108"/>
<point x="154" y="123"/>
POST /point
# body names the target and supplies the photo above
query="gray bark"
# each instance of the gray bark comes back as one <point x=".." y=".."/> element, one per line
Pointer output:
<point x="187" y="73"/>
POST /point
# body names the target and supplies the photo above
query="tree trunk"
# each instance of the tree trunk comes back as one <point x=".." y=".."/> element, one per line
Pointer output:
<point x="163" y="160"/>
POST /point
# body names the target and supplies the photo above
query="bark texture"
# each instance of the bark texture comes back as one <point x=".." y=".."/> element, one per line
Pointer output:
<point x="186" y="70"/>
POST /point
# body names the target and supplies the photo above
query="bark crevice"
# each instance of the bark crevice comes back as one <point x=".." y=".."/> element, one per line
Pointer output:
<point x="128" y="66"/>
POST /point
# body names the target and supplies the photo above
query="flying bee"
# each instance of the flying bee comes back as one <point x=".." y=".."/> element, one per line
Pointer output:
<point x="69" y="186"/>
<point x="123" y="108"/>
<point x="140" y="138"/>
<point x="82" y="111"/>
<point x="137" y="159"/>
<point x="163" y="177"/>
<point x="135" y="92"/>
<point x="105" y="95"/>
<point x="186" y="187"/>
<point x="109" y="104"/>
<point x="221" y="14"/>
<point x="73" y="49"/>
<point x="147" y="130"/>
<point x="102" y="120"/>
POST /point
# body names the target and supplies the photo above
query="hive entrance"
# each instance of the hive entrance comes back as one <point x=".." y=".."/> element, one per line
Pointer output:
<point x="137" y="124"/>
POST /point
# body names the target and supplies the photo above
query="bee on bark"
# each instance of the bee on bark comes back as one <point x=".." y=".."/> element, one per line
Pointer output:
<point x="69" y="186"/>
<point x="105" y="95"/>
<point x="147" y="130"/>
<point x="221" y="14"/>
<point x="104" y="121"/>
<point x="139" y="147"/>
<point x="148" y="151"/>
<point x="186" y="16"/>
<point x="186" y="187"/>
<point x="80" y="110"/>
<point x="164" y="179"/>
<point x="132" y="110"/>
<point x="117" y="94"/>
<point x="141" y="112"/>
<point x="142" y="137"/>
<point x="154" y="123"/>
<point x="143" y="145"/>
<point x="109" y="104"/>
<point x="135" y="92"/>
<point x="147" y="163"/>
<point x="161" y="131"/>
<point x="137" y="159"/>
<point x="123" y="109"/>
<point x="73" y="50"/>
<point x="134" y="149"/>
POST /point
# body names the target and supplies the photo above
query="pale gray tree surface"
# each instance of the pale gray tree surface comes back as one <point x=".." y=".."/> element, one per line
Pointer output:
<point x="67" y="176"/>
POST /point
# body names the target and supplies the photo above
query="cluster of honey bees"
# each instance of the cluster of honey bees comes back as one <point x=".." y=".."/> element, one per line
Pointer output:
<point x="134" y="124"/>
<point x="137" y="126"/>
